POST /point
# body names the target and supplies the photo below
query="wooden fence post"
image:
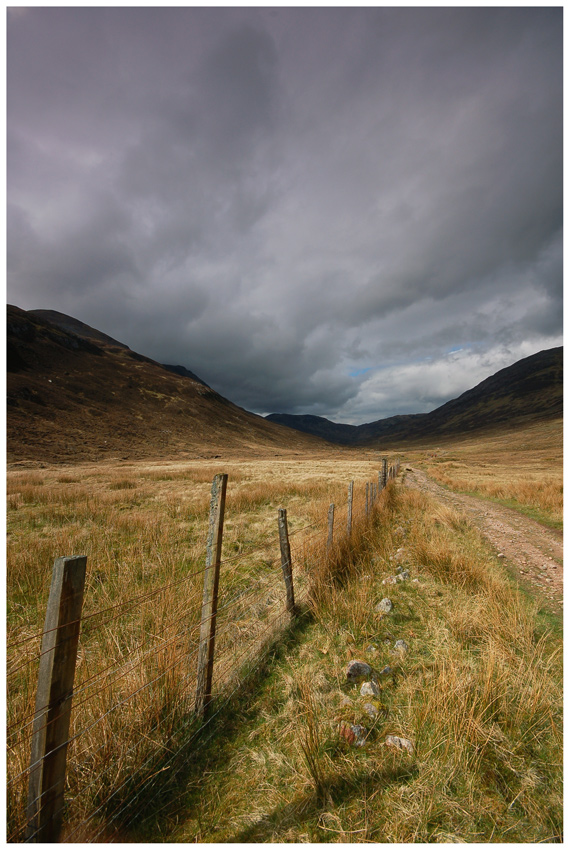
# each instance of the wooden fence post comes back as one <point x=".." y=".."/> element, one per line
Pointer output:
<point x="210" y="597"/>
<point x="286" y="565"/>
<point x="53" y="700"/>
<point x="330" y="526"/>
<point x="384" y="472"/>
<point x="349" y="513"/>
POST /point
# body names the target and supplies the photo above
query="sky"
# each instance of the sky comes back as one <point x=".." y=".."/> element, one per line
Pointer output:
<point x="347" y="212"/>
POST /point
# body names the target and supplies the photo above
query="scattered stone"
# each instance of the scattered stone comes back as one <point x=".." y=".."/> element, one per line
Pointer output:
<point x="371" y="650"/>
<point x="386" y="671"/>
<point x="500" y="555"/>
<point x="401" y="646"/>
<point x="354" y="734"/>
<point x="371" y="710"/>
<point x="399" y="743"/>
<point x="358" y="670"/>
<point x="404" y="576"/>
<point x="369" y="689"/>
<point x="385" y="606"/>
<point x="390" y="580"/>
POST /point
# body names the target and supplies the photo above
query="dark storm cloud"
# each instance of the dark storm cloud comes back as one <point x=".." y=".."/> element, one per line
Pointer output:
<point x="350" y="212"/>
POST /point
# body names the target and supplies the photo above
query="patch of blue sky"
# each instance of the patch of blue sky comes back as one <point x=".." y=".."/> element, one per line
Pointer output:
<point x="357" y="372"/>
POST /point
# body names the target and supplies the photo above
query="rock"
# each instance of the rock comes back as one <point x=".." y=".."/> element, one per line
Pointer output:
<point x="385" y="606"/>
<point x="399" y="743"/>
<point x="403" y="576"/>
<point x="401" y="646"/>
<point x="354" y="734"/>
<point x="371" y="649"/>
<point x="390" y="580"/>
<point x="386" y="671"/>
<point x="358" y="670"/>
<point x="371" y="710"/>
<point x="369" y="689"/>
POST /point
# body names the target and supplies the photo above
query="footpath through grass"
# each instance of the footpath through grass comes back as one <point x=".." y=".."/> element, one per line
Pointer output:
<point x="478" y="694"/>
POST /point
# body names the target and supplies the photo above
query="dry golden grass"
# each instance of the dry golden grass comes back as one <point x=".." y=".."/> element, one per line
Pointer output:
<point x="478" y="694"/>
<point x="143" y="528"/>
<point x="522" y="468"/>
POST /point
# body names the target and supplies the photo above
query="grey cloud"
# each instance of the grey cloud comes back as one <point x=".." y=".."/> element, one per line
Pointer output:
<point x="318" y="190"/>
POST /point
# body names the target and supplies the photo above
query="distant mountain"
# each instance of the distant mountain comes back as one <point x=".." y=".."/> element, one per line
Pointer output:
<point x="75" y="393"/>
<point x="531" y="389"/>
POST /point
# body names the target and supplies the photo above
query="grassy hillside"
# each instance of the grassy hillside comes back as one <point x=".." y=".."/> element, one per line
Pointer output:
<point x="82" y="397"/>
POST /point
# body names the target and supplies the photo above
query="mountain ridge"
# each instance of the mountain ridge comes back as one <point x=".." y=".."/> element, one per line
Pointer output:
<point x="76" y="393"/>
<point x="528" y="389"/>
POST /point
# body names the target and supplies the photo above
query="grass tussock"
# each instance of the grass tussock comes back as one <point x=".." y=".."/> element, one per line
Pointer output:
<point x="478" y="693"/>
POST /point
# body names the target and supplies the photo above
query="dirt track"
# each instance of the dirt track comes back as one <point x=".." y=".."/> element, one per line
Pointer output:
<point x="533" y="551"/>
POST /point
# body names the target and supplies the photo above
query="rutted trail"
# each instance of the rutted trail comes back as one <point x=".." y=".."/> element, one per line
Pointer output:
<point x="534" y="551"/>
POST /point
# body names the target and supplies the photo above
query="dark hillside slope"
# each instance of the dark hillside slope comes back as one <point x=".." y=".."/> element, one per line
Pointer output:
<point x="85" y="396"/>
<point x="530" y="389"/>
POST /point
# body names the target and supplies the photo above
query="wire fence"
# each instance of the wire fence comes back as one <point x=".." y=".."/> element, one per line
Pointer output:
<point x="135" y="678"/>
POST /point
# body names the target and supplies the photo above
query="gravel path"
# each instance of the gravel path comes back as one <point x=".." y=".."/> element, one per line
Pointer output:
<point x="532" y="551"/>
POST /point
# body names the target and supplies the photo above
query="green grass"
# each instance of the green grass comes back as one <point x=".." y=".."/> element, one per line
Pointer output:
<point x="478" y="694"/>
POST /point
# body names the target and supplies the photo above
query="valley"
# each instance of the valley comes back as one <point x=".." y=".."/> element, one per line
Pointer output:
<point x="472" y="526"/>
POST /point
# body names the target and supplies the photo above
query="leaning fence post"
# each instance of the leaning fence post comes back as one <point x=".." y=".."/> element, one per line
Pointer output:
<point x="286" y="565"/>
<point x="210" y="596"/>
<point x="53" y="700"/>
<point x="330" y="526"/>
<point x="349" y="513"/>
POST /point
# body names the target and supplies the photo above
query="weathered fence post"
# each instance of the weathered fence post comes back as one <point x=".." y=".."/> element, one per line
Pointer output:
<point x="330" y="526"/>
<point x="286" y="565"/>
<point x="210" y="597"/>
<point x="53" y="700"/>
<point x="349" y="513"/>
<point x="384" y="472"/>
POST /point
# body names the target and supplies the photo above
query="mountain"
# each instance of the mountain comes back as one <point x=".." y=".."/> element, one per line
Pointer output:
<point x="530" y="389"/>
<point x="76" y="394"/>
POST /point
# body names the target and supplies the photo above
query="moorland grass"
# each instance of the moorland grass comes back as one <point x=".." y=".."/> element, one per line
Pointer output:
<point x="143" y="528"/>
<point x="479" y="694"/>
<point x="522" y="469"/>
